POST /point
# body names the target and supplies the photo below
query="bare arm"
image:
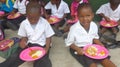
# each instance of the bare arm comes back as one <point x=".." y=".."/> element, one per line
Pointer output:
<point x="77" y="49"/>
<point x="23" y="42"/>
<point x="64" y="16"/>
<point x="105" y="17"/>
<point x="119" y="22"/>
<point x="14" y="11"/>
<point x="48" y="42"/>
<point x="97" y="41"/>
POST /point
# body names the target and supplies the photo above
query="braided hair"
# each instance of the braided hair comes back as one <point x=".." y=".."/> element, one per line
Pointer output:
<point x="84" y="5"/>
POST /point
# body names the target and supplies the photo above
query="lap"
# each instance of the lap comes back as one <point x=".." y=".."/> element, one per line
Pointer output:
<point x="84" y="60"/>
<point x="43" y="62"/>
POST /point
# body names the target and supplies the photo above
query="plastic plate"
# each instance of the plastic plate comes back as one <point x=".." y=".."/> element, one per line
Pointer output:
<point x="25" y="54"/>
<point x="96" y="51"/>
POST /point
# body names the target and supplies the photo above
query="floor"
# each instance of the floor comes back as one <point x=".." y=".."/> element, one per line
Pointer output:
<point x="60" y="56"/>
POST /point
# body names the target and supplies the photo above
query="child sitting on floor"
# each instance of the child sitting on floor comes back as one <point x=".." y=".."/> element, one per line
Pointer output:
<point x="82" y="33"/>
<point x="73" y="13"/>
<point x="6" y="7"/>
<point x="110" y="11"/>
<point x="59" y="9"/>
<point x="19" y="7"/>
<point x="34" y="31"/>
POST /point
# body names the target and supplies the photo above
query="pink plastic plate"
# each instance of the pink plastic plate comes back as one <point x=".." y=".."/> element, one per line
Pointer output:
<point x="70" y="21"/>
<point x="101" y="52"/>
<point x="108" y="24"/>
<point x="2" y="13"/>
<point x="24" y="55"/>
<point x="6" y="43"/>
<point x="53" y="20"/>
<point x="15" y="16"/>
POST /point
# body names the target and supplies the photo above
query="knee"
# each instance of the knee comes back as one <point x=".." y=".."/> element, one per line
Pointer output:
<point x="93" y="65"/>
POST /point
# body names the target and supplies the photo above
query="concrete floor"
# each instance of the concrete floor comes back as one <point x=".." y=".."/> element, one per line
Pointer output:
<point x="60" y="56"/>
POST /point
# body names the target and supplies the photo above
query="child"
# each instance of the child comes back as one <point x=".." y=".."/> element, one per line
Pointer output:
<point x="43" y="11"/>
<point x="34" y="31"/>
<point x="42" y="3"/>
<point x="110" y="11"/>
<point x="7" y="7"/>
<point x="20" y="7"/>
<point x="84" y="32"/>
<point x="73" y="9"/>
<point x="59" y="9"/>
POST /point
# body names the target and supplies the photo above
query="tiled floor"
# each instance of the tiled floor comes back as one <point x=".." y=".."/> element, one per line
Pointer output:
<point x="60" y="55"/>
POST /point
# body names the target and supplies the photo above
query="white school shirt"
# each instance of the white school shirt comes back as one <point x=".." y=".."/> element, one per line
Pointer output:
<point x="21" y="6"/>
<point x="80" y="37"/>
<point x="38" y="35"/>
<point x="63" y="8"/>
<point x="107" y="11"/>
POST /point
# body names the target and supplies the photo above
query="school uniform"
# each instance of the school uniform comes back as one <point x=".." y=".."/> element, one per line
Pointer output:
<point x="107" y="11"/>
<point x="21" y="6"/>
<point x="80" y="37"/>
<point x="62" y="9"/>
<point x="37" y="35"/>
<point x="58" y="12"/>
<point x="112" y="14"/>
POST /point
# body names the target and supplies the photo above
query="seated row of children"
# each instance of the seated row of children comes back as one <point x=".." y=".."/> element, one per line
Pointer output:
<point x="60" y="9"/>
<point x="83" y="32"/>
<point x="55" y="8"/>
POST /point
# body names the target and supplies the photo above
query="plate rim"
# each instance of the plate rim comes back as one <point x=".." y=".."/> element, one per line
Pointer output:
<point x="56" y="18"/>
<point x="43" y="51"/>
<point x="14" y="17"/>
<point x="101" y="23"/>
<point x="95" y="57"/>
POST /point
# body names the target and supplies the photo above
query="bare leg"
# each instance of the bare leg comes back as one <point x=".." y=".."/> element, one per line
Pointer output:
<point x="103" y="30"/>
<point x="66" y="29"/>
<point x="108" y="63"/>
<point x="93" y="65"/>
<point x="114" y="30"/>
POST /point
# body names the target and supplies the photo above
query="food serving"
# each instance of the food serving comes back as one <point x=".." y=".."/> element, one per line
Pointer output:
<point x="53" y="20"/>
<point x="95" y="51"/>
<point x="32" y="53"/>
<point x="112" y="23"/>
<point x="35" y="53"/>
<point x="13" y="16"/>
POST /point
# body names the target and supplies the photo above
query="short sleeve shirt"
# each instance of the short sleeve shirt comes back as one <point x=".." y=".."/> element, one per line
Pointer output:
<point x="21" y="6"/>
<point x="63" y="8"/>
<point x="80" y="37"/>
<point x="107" y="11"/>
<point x="38" y="35"/>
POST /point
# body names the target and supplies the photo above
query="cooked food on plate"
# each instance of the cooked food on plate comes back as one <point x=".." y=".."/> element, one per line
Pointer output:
<point x="35" y="53"/>
<point x="92" y="51"/>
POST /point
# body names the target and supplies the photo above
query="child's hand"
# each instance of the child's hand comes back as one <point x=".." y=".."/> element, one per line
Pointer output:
<point x="118" y="22"/>
<point x="47" y="16"/>
<point x="22" y="44"/>
<point x="12" y="13"/>
<point x="107" y="19"/>
<point x="46" y="49"/>
<point x="80" y="51"/>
